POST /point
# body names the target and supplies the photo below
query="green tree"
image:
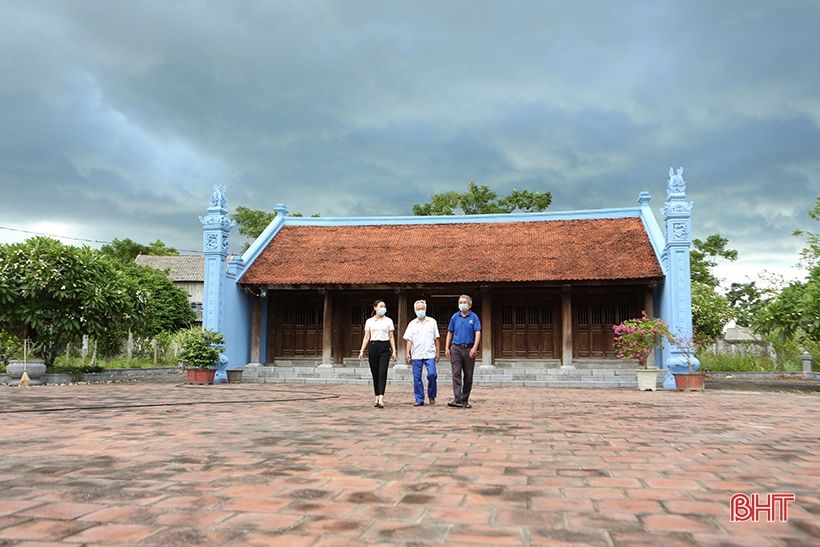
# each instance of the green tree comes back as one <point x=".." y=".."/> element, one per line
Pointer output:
<point x="710" y="313"/>
<point x="810" y="255"/>
<point x="795" y="312"/>
<point x="710" y="309"/>
<point x="163" y="306"/>
<point x="252" y="222"/>
<point x="52" y="293"/>
<point x="481" y="200"/>
<point x="705" y="256"/>
<point x="126" y="250"/>
<point x="747" y="301"/>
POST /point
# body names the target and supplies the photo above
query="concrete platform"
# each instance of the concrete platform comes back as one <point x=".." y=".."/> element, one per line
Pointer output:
<point x="269" y="464"/>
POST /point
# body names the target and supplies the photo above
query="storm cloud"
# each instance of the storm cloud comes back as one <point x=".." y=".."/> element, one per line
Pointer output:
<point x="117" y="117"/>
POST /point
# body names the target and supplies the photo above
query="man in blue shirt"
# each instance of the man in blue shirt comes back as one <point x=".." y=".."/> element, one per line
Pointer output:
<point x="463" y="337"/>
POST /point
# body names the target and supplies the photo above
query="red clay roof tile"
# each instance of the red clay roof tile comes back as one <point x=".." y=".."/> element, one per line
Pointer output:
<point x="554" y="250"/>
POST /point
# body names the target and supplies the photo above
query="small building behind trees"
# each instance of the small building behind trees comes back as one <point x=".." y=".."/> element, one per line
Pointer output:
<point x="186" y="271"/>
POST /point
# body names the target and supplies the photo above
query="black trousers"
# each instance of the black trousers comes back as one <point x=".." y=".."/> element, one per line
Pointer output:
<point x="379" y="356"/>
<point x="462" y="363"/>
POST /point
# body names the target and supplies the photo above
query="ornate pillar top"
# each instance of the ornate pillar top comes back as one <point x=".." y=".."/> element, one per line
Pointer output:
<point x="676" y="186"/>
<point x="676" y="204"/>
<point x="219" y="200"/>
<point x="217" y="216"/>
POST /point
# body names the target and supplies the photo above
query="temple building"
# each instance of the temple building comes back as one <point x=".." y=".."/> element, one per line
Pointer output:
<point x="548" y="287"/>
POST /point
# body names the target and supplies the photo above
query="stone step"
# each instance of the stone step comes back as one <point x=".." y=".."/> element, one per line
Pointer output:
<point x="499" y="363"/>
<point x="531" y="377"/>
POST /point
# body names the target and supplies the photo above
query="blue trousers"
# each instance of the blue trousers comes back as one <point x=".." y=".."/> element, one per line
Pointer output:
<point x="432" y="374"/>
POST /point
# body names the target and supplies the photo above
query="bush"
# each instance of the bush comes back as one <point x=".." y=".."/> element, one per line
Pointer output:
<point x="637" y="338"/>
<point x="11" y="347"/>
<point x="200" y="348"/>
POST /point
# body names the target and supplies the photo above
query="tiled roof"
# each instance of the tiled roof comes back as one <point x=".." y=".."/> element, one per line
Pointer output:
<point x="180" y="268"/>
<point x="554" y="250"/>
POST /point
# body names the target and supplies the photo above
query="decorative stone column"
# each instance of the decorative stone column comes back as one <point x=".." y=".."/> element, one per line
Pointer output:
<point x="676" y="307"/>
<point x="216" y="226"/>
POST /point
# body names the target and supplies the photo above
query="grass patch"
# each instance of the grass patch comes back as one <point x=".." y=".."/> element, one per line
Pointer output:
<point x="110" y="364"/>
<point x="727" y="362"/>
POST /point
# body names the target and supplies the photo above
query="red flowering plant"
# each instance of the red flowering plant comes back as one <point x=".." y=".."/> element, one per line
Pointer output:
<point x="637" y="338"/>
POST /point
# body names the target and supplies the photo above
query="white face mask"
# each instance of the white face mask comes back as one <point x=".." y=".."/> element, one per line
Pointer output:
<point x="464" y="307"/>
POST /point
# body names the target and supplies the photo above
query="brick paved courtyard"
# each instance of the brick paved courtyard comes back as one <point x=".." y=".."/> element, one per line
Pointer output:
<point x="318" y="465"/>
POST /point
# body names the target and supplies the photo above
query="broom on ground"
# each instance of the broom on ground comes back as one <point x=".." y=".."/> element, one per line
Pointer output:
<point x="24" y="379"/>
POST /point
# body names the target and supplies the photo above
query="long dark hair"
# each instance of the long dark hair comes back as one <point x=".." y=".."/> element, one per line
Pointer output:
<point x="376" y="304"/>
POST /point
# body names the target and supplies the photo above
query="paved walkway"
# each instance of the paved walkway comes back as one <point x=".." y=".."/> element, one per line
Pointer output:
<point x="274" y="464"/>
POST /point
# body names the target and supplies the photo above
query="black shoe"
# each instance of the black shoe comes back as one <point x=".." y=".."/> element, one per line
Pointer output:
<point x="418" y="404"/>
<point x="466" y="405"/>
<point x="454" y="404"/>
<point x="380" y="405"/>
<point x="431" y="400"/>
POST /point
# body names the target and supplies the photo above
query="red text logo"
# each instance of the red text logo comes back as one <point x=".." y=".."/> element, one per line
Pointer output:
<point x="754" y="508"/>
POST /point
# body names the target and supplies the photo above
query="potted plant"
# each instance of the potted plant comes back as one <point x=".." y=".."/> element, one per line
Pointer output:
<point x="199" y="352"/>
<point x="637" y="339"/>
<point x="689" y="381"/>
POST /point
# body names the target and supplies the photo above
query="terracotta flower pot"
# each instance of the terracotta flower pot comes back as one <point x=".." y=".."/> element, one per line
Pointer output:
<point x="201" y="375"/>
<point x="689" y="382"/>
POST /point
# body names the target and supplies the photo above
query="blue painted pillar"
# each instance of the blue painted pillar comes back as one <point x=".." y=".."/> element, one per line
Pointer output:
<point x="216" y="226"/>
<point x="676" y="301"/>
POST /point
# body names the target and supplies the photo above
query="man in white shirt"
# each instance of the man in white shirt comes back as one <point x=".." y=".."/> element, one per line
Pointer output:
<point x="422" y="351"/>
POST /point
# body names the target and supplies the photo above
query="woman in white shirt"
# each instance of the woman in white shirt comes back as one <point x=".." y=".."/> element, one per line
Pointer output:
<point x="378" y="331"/>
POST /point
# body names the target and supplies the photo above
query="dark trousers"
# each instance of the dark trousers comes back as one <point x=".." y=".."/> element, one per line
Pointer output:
<point x="379" y="356"/>
<point x="464" y="365"/>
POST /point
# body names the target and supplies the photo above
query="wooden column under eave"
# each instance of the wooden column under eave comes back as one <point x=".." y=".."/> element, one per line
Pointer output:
<point x="486" y="328"/>
<point x="327" y="331"/>
<point x="649" y="308"/>
<point x="566" y="327"/>
<point x="256" y="329"/>
<point x="401" y="345"/>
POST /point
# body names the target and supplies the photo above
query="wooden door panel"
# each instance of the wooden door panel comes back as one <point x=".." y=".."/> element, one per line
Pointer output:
<point x="595" y="316"/>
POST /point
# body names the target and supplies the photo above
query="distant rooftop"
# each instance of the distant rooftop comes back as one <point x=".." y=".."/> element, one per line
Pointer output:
<point x="180" y="268"/>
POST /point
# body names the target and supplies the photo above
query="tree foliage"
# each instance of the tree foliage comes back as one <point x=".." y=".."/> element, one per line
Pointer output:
<point x="710" y="309"/>
<point x="710" y="313"/>
<point x="126" y="250"/>
<point x="164" y="307"/>
<point x="481" y="200"/>
<point x="705" y="256"/>
<point x="252" y="222"/>
<point x="52" y="293"/>
<point x="795" y="312"/>
<point x="747" y="301"/>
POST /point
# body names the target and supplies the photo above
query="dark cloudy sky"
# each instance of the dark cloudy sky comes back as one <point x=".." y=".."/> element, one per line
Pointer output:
<point x="117" y="117"/>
